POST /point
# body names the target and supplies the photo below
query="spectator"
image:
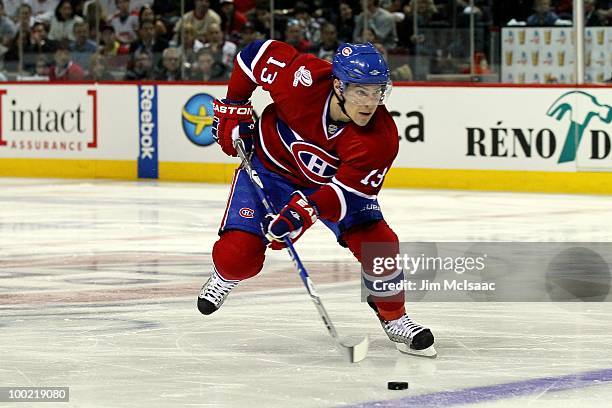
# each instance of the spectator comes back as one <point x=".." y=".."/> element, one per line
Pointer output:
<point x="189" y="45"/>
<point x="261" y="20"/>
<point x="143" y="67"/>
<point x="137" y="5"/>
<point x="393" y="6"/>
<point x="311" y="28"/>
<point x="62" y="24"/>
<point x="146" y="13"/>
<point x="294" y="35"/>
<point x="170" y="69"/>
<point x="98" y="69"/>
<point x="481" y="65"/>
<point x="167" y="11"/>
<point x="402" y="73"/>
<point x="43" y="10"/>
<point x="124" y="23"/>
<point x="95" y="17"/>
<point x="592" y="18"/>
<point x="116" y="55"/>
<point x="110" y="46"/>
<point x="42" y="67"/>
<point x="39" y="39"/>
<point x="543" y="16"/>
<point x="65" y="69"/>
<point x="82" y="47"/>
<point x="32" y="41"/>
<point x="345" y="23"/>
<point x="329" y="41"/>
<point x="380" y="21"/>
<point x="8" y="29"/>
<point x="605" y="11"/>
<point x="248" y="35"/>
<point x="426" y="10"/>
<point x="148" y="41"/>
<point x="201" y="18"/>
<point x="223" y="51"/>
<point x="232" y="21"/>
<point x="11" y="8"/>
<point x="25" y="21"/>
<point x="108" y="7"/>
<point x="206" y="69"/>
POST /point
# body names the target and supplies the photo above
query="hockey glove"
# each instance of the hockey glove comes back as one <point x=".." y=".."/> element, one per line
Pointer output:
<point x="233" y="120"/>
<point x="292" y="221"/>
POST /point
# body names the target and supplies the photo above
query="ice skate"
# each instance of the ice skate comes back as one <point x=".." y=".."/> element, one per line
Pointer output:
<point x="408" y="336"/>
<point x="214" y="292"/>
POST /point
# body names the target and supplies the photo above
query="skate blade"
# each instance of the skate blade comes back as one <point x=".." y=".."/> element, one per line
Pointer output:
<point x="429" y="352"/>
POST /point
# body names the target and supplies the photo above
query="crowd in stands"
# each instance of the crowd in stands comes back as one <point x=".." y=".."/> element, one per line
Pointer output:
<point x="197" y="40"/>
<point x="546" y="13"/>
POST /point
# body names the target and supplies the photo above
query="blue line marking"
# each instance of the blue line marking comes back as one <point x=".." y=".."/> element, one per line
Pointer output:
<point x="496" y="392"/>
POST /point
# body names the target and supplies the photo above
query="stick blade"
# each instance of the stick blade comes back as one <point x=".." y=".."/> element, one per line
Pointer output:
<point x="355" y="352"/>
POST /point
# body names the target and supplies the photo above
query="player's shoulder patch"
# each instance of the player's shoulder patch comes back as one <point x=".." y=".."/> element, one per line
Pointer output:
<point x="317" y="68"/>
<point x="302" y="76"/>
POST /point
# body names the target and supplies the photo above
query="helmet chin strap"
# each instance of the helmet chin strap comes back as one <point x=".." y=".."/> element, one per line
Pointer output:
<point x="341" y="101"/>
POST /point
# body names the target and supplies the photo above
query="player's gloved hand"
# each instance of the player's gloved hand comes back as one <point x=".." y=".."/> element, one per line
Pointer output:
<point x="291" y="222"/>
<point x="233" y="120"/>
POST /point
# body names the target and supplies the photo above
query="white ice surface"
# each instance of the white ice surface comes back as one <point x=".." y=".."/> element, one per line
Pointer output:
<point x="98" y="283"/>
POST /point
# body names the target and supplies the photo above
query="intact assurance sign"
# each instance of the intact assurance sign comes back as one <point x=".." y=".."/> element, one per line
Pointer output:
<point x="48" y="121"/>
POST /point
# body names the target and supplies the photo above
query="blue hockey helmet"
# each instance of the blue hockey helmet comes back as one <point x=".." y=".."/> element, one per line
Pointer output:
<point x="361" y="64"/>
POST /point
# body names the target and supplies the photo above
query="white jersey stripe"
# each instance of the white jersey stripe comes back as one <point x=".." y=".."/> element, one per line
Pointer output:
<point x="352" y="190"/>
<point x="245" y="69"/>
<point x="341" y="199"/>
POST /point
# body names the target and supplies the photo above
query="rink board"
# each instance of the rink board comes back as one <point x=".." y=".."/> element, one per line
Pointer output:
<point x="553" y="139"/>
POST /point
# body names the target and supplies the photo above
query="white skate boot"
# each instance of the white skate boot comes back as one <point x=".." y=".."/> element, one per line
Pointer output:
<point x="214" y="292"/>
<point x="408" y="336"/>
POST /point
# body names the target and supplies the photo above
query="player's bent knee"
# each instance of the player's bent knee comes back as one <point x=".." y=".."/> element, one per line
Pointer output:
<point x="378" y="231"/>
<point x="238" y="255"/>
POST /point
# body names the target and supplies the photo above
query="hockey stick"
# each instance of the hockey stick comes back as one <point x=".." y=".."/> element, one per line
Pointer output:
<point x="354" y="352"/>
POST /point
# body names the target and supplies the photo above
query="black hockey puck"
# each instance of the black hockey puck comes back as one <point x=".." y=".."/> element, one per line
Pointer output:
<point x="397" y="385"/>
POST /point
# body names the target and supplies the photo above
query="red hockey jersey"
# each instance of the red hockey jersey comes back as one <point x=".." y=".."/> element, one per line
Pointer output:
<point x="296" y="138"/>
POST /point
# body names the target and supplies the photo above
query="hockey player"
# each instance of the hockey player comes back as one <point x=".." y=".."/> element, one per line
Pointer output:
<point x="322" y="150"/>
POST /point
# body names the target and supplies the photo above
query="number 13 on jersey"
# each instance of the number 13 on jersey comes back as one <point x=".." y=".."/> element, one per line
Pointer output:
<point x="375" y="177"/>
<point x="269" y="78"/>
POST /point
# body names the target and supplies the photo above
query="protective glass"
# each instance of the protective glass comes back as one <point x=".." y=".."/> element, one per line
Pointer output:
<point x="363" y="95"/>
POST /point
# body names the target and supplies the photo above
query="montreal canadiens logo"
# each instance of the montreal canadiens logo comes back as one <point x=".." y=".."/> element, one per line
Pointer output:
<point x="346" y="51"/>
<point x="315" y="163"/>
<point x="246" y="212"/>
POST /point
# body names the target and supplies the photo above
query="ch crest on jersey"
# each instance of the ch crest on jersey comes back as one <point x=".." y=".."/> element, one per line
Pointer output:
<point x="315" y="163"/>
